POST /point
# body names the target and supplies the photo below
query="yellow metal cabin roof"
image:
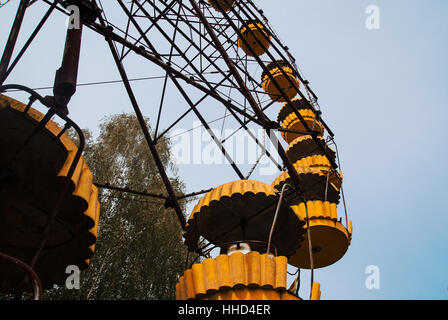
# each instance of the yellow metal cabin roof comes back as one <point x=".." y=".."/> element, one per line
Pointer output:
<point x="219" y="213"/>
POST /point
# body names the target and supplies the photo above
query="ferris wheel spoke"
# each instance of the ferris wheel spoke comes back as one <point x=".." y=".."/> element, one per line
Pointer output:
<point x="192" y="44"/>
<point x="169" y="188"/>
<point x="166" y="80"/>
<point x="153" y="49"/>
<point x="191" y="104"/>
<point x="205" y="59"/>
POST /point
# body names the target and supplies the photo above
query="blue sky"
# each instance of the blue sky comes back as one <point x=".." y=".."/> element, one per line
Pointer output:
<point x="384" y="94"/>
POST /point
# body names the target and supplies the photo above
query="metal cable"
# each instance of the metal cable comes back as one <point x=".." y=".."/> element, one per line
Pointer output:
<point x="275" y="217"/>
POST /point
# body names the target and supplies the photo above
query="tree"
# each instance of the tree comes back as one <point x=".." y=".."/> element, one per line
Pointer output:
<point x="139" y="252"/>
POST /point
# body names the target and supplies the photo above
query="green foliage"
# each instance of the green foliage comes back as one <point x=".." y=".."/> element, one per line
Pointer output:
<point x="139" y="252"/>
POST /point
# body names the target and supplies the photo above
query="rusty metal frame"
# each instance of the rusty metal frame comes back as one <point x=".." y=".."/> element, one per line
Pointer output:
<point x="104" y="29"/>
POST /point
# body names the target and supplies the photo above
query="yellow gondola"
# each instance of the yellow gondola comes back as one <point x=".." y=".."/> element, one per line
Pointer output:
<point x="305" y="146"/>
<point x="283" y="77"/>
<point x="256" y="38"/>
<point x="313" y="184"/>
<point x="330" y="239"/>
<point x="323" y="164"/>
<point x="244" y="210"/>
<point x="29" y="191"/>
<point x="295" y="105"/>
<point x="292" y="122"/>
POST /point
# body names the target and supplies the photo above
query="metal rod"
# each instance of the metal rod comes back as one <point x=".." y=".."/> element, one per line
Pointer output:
<point x="38" y="291"/>
<point x="261" y="116"/>
<point x="66" y="76"/>
<point x="187" y="98"/>
<point x="141" y="120"/>
<point x="184" y="115"/>
<point x="288" y="100"/>
<point x="127" y="190"/>
<point x="310" y="246"/>
<point x="194" y="194"/>
<point x="305" y="82"/>
<point x="11" y="43"/>
<point x="274" y="222"/>
<point x="28" y="42"/>
<point x="199" y="73"/>
<point x="166" y="76"/>
<point x="142" y="52"/>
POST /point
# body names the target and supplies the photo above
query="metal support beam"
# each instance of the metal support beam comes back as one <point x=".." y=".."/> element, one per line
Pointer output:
<point x="66" y="76"/>
<point x="11" y="43"/>
<point x="141" y="120"/>
<point x="256" y="108"/>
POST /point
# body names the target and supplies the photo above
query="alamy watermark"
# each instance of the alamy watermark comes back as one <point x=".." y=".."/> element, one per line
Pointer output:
<point x="230" y="146"/>
<point x="74" y="19"/>
<point x="373" y="19"/>
<point x="72" y="282"/>
<point x="373" y="280"/>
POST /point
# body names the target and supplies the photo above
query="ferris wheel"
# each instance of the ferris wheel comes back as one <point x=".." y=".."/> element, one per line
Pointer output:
<point x="219" y="55"/>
